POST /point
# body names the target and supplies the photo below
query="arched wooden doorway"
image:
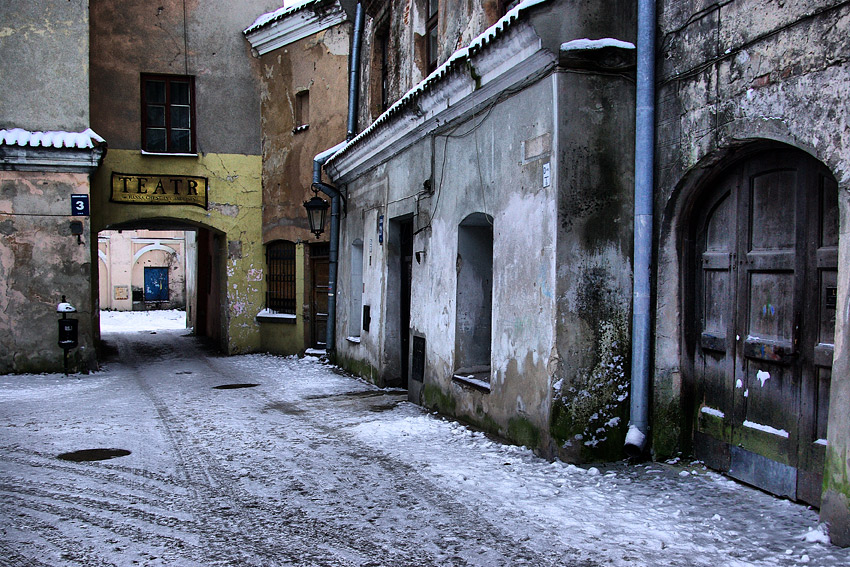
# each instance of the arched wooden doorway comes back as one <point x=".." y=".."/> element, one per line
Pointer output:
<point x="762" y="319"/>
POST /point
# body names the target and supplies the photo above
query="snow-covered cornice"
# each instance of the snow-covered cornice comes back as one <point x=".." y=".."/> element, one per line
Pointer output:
<point x="23" y="150"/>
<point x="453" y="92"/>
<point x="287" y="25"/>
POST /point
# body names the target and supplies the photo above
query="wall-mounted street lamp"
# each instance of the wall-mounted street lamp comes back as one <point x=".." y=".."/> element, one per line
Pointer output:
<point x="317" y="209"/>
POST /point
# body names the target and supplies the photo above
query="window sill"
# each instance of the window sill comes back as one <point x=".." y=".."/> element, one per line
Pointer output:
<point x="300" y="128"/>
<point x="268" y="316"/>
<point x="477" y="378"/>
<point x="166" y="154"/>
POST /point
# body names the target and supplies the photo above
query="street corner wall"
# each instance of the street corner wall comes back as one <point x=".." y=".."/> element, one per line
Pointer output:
<point x="234" y="211"/>
<point x="766" y="74"/>
<point x="595" y="182"/>
<point x="40" y="260"/>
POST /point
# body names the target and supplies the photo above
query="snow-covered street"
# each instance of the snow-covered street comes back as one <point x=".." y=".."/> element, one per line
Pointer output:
<point x="305" y="465"/>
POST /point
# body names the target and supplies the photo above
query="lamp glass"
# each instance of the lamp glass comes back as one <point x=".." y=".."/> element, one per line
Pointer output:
<point x="317" y="209"/>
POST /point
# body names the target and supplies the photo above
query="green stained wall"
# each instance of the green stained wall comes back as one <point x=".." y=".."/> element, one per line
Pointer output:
<point x="234" y="212"/>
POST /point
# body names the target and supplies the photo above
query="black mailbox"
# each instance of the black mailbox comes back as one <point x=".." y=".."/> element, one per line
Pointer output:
<point x="68" y="333"/>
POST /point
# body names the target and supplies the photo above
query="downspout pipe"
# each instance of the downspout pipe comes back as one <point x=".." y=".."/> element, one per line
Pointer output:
<point x="333" y="254"/>
<point x="636" y="437"/>
<point x="354" y="73"/>
<point x="332" y="192"/>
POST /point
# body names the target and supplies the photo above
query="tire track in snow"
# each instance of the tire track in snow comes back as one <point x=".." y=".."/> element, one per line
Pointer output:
<point x="363" y="465"/>
<point x="218" y="502"/>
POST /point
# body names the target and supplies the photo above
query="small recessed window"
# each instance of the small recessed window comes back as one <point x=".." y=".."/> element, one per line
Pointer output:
<point x="168" y="114"/>
<point x="302" y="110"/>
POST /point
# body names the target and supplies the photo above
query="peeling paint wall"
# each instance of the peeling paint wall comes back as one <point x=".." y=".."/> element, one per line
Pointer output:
<point x="732" y="74"/>
<point x="40" y="260"/>
<point x="235" y="202"/>
<point x="318" y="66"/>
<point x="479" y="166"/>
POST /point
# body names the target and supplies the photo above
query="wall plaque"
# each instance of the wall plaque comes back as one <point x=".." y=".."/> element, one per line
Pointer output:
<point x="159" y="189"/>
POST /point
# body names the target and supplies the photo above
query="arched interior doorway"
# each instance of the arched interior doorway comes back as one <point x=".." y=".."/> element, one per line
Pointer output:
<point x="170" y="264"/>
<point x="760" y="319"/>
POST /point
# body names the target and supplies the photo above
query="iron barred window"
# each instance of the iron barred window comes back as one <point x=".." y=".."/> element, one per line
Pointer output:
<point x="168" y="114"/>
<point x="280" y="278"/>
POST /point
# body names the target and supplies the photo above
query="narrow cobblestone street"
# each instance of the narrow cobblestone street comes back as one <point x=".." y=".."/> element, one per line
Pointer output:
<point x="304" y="465"/>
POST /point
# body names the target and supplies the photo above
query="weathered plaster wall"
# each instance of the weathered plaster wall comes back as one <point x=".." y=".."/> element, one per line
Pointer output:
<point x="235" y="202"/>
<point x="594" y="259"/>
<point x="733" y="73"/>
<point x="39" y="262"/>
<point x="480" y="165"/>
<point x="44" y="62"/>
<point x="183" y="37"/>
<point x="318" y="64"/>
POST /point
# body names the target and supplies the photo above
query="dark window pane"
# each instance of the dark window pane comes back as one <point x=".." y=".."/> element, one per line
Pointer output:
<point x="432" y="49"/>
<point x="155" y="140"/>
<point x="180" y="141"/>
<point x="432" y="7"/>
<point x="156" y="116"/>
<point x="179" y="116"/>
<point x="155" y="92"/>
<point x="179" y="93"/>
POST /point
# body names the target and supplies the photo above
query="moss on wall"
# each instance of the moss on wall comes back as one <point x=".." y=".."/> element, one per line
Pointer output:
<point x="358" y="367"/>
<point x="434" y="398"/>
<point x="588" y="419"/>
<point x="523" y="432"/>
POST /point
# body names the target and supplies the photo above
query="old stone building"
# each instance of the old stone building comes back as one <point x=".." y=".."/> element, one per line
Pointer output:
<point x="751" y="198"/>
<point x="486" y="251"/>
<point x="486" y="248"/>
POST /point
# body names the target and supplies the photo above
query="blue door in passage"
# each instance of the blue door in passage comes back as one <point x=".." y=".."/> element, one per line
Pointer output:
<point x="156" y="284"/>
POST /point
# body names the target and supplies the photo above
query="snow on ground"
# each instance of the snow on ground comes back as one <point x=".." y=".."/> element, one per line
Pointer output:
<point x="315" y="467"/>
<point x="132" y="321"/>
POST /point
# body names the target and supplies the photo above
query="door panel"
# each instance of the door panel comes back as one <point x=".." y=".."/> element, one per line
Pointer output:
<point x="767" y="273"/>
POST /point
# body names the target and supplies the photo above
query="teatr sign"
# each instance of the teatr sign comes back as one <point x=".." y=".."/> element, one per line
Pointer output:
<point x="159" y="189"/>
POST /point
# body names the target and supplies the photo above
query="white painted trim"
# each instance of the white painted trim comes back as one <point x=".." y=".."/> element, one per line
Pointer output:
<point x="518" y="60"/>
<point x="151" y="248"/>
<point x="299" y="25"/>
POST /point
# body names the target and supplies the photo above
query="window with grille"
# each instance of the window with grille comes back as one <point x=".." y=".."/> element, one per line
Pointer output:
<point x="168" y="114"/>
<point x="280" y="277"/>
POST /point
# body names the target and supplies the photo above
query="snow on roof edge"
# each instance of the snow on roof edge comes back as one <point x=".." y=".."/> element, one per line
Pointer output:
<point x="582" y="44"/>
<point x="279" y="14"/>
<point x="86" y="139"/>
<point x="480" y="41"/>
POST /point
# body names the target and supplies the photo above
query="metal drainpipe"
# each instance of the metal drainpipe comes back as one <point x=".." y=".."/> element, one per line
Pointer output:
<point x="354" y="72"/>
<point x="644" y="162"/>
<point x="332" y="192"/>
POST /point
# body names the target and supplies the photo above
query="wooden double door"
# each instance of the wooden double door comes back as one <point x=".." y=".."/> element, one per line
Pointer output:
<point x="765" y="243"/>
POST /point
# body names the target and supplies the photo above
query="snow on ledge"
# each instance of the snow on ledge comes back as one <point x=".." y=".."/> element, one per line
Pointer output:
<point x="766" y="429"/>
<point x="584" y="44"/>
<point x="712" y="411"/>
<point x="278" y="14"/>
<point x="481" y="41"/>
<point x="269" y="314"/>
<point x="86" y="139"/>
